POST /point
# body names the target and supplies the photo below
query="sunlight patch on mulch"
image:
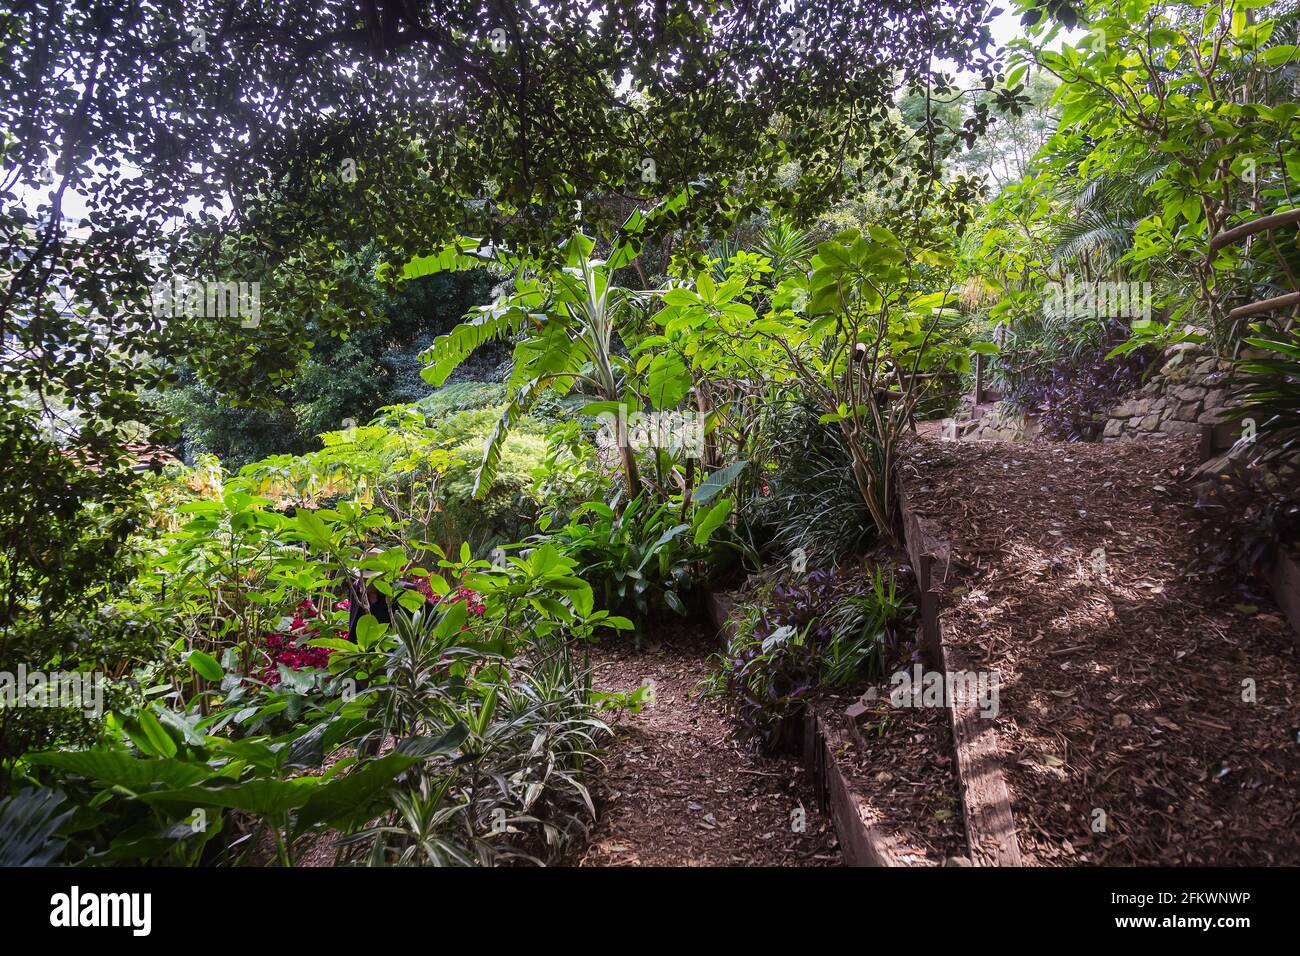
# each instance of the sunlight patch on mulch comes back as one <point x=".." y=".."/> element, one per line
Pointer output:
<point x="1076" y="575"/>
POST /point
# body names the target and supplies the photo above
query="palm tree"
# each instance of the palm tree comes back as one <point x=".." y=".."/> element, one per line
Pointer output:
<point x="1104" y="214"/>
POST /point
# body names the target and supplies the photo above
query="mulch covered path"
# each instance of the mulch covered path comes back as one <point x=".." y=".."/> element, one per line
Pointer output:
<point x="679" y="789"/>
<point x="1123" y="667"/>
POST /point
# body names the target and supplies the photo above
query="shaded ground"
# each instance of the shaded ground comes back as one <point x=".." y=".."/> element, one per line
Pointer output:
<point x="1136" y="694"/>
<point x="679" y="789"/>
<point x="899" y="765"/>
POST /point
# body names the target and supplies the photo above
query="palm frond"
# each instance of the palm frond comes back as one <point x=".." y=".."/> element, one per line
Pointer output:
<point x="1106" y="236"/>
<point x="786" y="246"/>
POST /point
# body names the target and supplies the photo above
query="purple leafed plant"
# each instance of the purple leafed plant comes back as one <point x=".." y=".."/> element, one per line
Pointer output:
<point x="1071" y="396"/>
<point x="777" y="659"/>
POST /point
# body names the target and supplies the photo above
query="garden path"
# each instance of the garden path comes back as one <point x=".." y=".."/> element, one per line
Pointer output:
<point x="1149" y="712"/>
<point x="679" y="789"/>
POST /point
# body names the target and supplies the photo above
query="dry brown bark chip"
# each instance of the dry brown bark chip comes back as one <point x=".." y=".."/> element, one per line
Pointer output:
<point x="1126" y="673"/>
<point x="900" y="765"/>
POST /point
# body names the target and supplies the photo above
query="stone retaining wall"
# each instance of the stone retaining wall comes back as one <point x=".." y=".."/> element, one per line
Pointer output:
<point x="1189" y="390"/>
<point x="1000" y="424"/>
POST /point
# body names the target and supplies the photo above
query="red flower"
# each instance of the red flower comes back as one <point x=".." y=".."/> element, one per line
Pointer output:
<point x="281" y="649"/>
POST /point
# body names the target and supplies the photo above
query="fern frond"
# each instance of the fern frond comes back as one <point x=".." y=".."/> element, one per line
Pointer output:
<point x="1094" y="232"/>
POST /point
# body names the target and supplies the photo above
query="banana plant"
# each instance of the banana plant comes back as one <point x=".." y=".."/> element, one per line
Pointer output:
<point x="567" y="322"/>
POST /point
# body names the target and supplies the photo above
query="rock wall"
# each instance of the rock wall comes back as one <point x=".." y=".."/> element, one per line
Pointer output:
<point x="1000" y="424"/>
<point x="1188" y="391"/>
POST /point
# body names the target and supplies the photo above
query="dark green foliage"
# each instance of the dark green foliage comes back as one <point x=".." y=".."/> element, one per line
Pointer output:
<point x="29" y="824"/>
<point x="825" y="629"/>
<point x="810" y="500"/>
<point x="1256" y="503"/>
<point x="64" y="531"/>
<point x="323" y="128"/>
<point x="341" y="378"/>
<point x="636" y="557"/>
<point x="1268" y="386"/>
<point x="1253" y="514"/>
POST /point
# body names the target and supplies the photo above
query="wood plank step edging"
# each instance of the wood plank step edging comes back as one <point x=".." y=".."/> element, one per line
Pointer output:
<point x="985" y="799"/>
<point x="1284" y="578"/>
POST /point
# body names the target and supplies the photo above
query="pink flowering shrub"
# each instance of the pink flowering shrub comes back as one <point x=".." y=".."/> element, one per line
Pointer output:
<point x="473" y="600"/>
<point x="290" y="649"/>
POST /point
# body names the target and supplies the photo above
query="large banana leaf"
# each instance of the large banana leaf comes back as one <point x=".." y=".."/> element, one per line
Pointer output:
<point x="348" y="799"/>
<point x="116" y="768"/>
<point x="464" y="253"/>
<point x="448" y="351"/>
<point x="515" y="409"/>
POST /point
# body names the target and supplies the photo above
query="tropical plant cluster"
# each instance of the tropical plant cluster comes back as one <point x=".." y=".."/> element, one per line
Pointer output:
<point x="513" y="392"/>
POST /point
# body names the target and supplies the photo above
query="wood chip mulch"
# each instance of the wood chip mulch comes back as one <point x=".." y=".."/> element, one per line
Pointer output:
<point x="678" y="788"/>
<point x="1148" y="714"/>
<point x="899" y="767"/>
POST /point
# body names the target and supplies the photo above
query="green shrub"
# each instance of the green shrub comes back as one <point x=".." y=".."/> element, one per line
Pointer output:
<point x="66" y="550"/>
<point x="458" y="397"/>
<point x="791" y="639"/>
<point x="511" y="506"/>
<point x="811" y="502"/>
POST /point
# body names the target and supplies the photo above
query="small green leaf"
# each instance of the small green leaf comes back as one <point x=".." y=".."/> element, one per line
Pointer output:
<point x="411" y="600"/>
<point x="453" y="619"/>
<point x="159" y="740"/>
<point x="712" y="520"/>
<point x="717" y="481"/>
<point x="680" y="297"/>
<point x="369" y="630"/>
<point x="1277" y="55"/>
